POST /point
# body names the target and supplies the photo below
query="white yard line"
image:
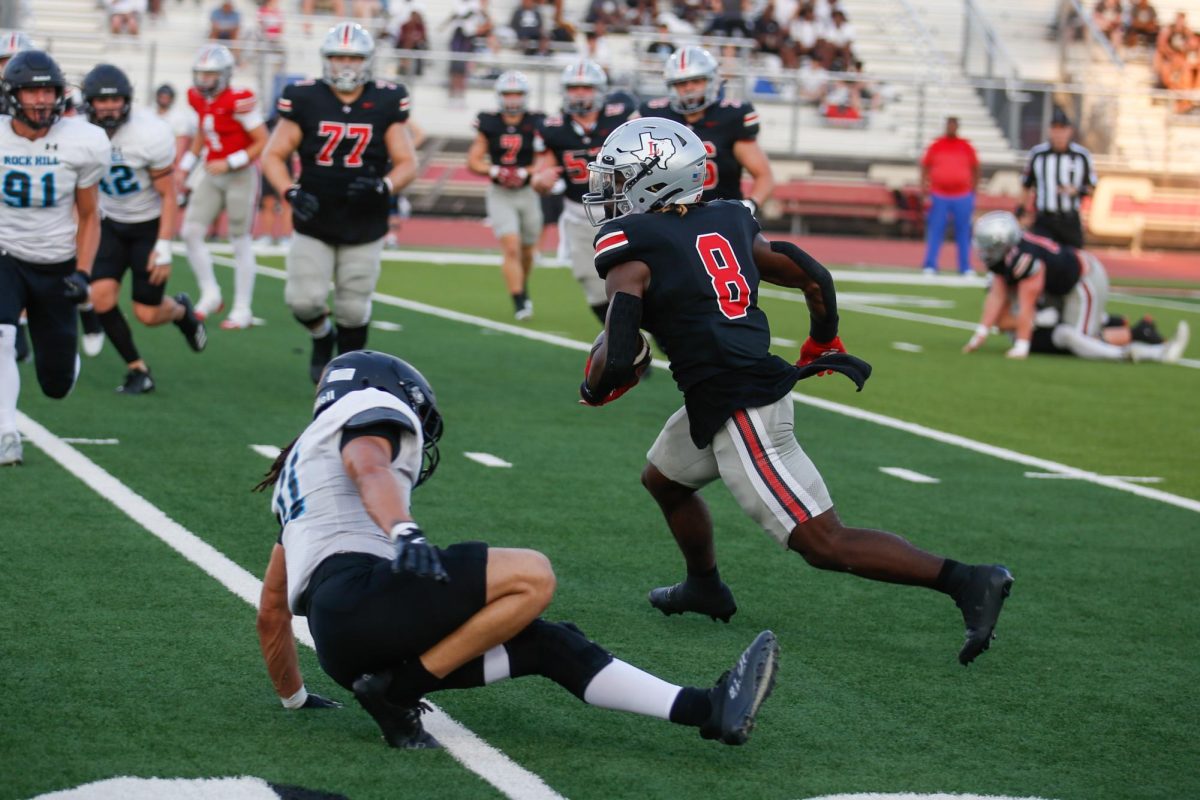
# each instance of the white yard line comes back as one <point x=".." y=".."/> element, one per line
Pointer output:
<point x="266" y="450"/>
<point x="488" y="460"/>
<point x="1128" y="478"/>
<point x="908" y="475"/>
<point x="468" y="749"/>
<point x="827" y="405"/>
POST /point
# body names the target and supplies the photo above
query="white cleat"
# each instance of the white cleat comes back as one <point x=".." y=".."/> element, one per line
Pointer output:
<point x="238" y="320"/>
<point x="93" y="343"/>
<point x="1174" y="347"/>
<point x="10" y="449"/>
<point x="526" y="311"/>
<point x="208" y="304"/>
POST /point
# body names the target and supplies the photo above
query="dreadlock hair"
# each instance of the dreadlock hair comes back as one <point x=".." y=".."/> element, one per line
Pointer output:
<point x="272" y="474"/>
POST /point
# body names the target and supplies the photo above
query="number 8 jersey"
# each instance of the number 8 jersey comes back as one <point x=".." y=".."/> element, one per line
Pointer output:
<point x="144" y="144"/>
<point x="37" y="184"/>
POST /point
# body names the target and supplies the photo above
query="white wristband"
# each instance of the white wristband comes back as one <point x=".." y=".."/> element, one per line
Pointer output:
<point x="403" y="529"/>
<point x="522" y="173"/>
<point x="188" y="161"/>
<point x="237" y="159"/>
<point x="297" y="700"/>
<point x="494" y="170"/>
<point x="559" y="187"/>
<point x="162" y="252"/>
<point x="388" y="183"/>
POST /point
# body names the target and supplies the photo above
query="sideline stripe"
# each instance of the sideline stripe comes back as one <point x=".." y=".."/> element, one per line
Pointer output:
<point x="468" y="749"/>
<point x="952" y="439"/>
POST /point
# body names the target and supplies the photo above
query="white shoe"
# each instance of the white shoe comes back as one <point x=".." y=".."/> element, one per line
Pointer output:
<point x="929" y="272"/>
<point x="526" y="311"/>
<point x="1174" y="347"/>
<point x="93" y="343"/>
<point x="238" y="319"/>
<point x="209" y="304"/>
<point x="10" y="449"/>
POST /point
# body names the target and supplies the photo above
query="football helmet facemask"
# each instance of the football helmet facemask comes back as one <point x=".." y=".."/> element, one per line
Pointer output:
<point x="996" y="232"/>
<point x="347" y="39"/>
<point x="688" y="64"/>
<point x="644" y="165"/>
<point x="509" y="84"/>
<point x="105" y="80"/>
<point x="212" y="70"/>
<point x="583" y="73"/>
<point x="31" y="69"/>
<point x="369" y="369"/>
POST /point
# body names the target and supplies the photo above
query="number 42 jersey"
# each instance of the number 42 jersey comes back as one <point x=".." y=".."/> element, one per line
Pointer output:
<point x="37" y="186"/>
<point x="144" y="144"/>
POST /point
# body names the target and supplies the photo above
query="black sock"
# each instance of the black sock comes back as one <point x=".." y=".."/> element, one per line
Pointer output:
<point x="410" y="680"/>
<point x="705" y="579"/>
<point x="519" y="300"/>
<point x="601" y="312"/>
<point x="117" y="329"/>
<point x="691" y="707"/>
<point x="351" y="338"/>
<point x="953" y="577"/>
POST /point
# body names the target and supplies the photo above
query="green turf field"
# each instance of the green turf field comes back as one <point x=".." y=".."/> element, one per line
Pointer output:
<point x="121" y="657"/>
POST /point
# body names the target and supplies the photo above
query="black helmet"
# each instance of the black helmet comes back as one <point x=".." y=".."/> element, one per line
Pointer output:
<point x="29" y="69"/>
<point x="105" y="80"/>
<point x="368" y="369"/>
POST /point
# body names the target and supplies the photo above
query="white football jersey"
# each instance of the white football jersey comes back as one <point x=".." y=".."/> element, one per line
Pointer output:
<point x="319" y="505"/>
<point x="143" y="144"/>
<point x="37" y="186"/>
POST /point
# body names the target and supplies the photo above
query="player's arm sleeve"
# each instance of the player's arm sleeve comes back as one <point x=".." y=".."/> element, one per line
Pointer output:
<point x="386" y="423"/>
<point x="403" y="105"/>
<point x="247" y="112"/>
<point x="813" y="279"/>
<point x="612" y="247"/>
<point x="286" y="105"/>
<point x="748" y="125"/>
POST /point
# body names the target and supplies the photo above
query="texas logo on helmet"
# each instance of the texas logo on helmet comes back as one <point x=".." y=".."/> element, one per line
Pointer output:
<point x="662" y="149"/>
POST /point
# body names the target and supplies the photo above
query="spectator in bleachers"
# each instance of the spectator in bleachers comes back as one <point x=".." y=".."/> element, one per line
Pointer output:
<point x="805" y="36"/>
<point x="608" y="12"/>
<point x="407" y="31"/>
<point x="468" y="21"/>
<point x="336" y="8"/>
<point x="527" y="25"/>
<point x="1108" y="16"/>
<point x="839" y="39"/>
<point x="949" y="179"/>
<point x="124" y="16"/>
<point x="270" y="36"/>
<point x="728" y="19"/>
<point x="595" y="48"/>
<point x="225" y="26"/>
<point x="812" y="82"/>
<point x="1174" y="59"/>
<point x="663" y="45"/>
<point x="771" y="37"/>
<point x="1143" y="24"/>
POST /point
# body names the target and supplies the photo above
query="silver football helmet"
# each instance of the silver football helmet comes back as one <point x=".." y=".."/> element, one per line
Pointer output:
<point x="996" y="232"/>
<point x="347" y="39"/>
<point x="512" y="83"/>
<point x="583" y="73"/>
<point x="688" y="64"/>
<point x="212" y="70"/>
<point x="644" y="165"/>
<point x="13" y="42"/>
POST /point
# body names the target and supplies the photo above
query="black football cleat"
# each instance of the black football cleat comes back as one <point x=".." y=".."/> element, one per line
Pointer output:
<point x="1144" y="330"/>
<point x="190" y="324"/>
<point x="136" y="382"/>
<point x="322" y="353"/>
<point x="685" y="596"/>
<point x="980" y="602"/>
<point x="740" y="692"/>
<point x="400" y="724"/>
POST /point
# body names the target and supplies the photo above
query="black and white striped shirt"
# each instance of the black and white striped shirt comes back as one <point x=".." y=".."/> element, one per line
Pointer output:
<point x="1048" y="171"/>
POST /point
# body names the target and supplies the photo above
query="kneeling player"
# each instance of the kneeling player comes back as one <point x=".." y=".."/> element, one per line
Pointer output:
<point x="138" y="205"/>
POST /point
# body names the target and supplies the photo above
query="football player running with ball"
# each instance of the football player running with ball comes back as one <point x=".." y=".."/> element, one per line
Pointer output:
<point x="728" y="128"/>
<point x="689" y="272"/>
<point x="503" y="150"/>
<point x="137" y="203"/>
<point x="394" y="617"/>
<point x="232" y="133"/>
<point x="355" y="155"/>
<point x="49" y="230"/>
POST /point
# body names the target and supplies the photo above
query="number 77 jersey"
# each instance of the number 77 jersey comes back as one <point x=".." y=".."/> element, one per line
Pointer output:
<point x="37" y="185"/>
<point x="702" y="301"/>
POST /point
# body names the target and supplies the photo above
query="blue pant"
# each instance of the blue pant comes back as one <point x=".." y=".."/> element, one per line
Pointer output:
<point x="935" y="228"/>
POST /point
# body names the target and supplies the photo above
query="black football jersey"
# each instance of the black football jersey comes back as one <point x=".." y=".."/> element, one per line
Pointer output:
<point x="575" y="148"/>
<point x="340" y="142"/>
<point x="723" y="125"/>
<point x="702" y="306"/>
<point x="1036" y="253"/>
<point x="509" y="145"/>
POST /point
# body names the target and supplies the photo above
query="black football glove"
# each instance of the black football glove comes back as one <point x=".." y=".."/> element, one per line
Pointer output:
<point x="75" y="286"/>
<point x="305" y="205"/>
<point x="316" y="701"/>
<point x="416" y="555"/>
<point x="366" y="187"/>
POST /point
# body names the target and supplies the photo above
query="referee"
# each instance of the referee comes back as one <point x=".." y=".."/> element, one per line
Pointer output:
<point x="1058" y="175"/>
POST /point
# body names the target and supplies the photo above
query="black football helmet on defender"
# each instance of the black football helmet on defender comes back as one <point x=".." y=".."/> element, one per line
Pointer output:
<point x="31" y="69"/>
<point x="105" y="80"/>
<point x="368" y="369"/>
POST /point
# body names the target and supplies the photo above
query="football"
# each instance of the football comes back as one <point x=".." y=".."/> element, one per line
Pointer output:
<point x="641" y="362"/>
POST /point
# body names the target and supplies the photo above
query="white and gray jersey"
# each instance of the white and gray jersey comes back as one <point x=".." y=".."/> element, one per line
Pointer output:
<point x="144" y="144"/>
<point x="318" y="504"/>
<point x="1048" y="172"/>
<point x="37" y="186"/>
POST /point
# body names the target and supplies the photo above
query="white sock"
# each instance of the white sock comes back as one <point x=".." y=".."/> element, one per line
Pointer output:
<point x="1089" y="347"/>
<point x="624" y="687"/>
<point x="495" y="664"/>
<point x="200" y="259"/>
<point x="10" y="379"/>
<point x="244" y="271"/>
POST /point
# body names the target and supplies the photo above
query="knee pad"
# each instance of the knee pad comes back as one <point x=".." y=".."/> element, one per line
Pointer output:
<point x="352" y="311"/>
<point x="558" y="651"/>
<point x="193" y="232"/>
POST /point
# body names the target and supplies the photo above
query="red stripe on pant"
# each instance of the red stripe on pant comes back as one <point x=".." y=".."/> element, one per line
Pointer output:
<point x="766" y="470"/>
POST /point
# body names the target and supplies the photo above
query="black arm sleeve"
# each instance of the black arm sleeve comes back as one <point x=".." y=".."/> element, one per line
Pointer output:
<point x="385" y="429"/>
<point x="624" y="342"/>
<point x="824" y="329"/>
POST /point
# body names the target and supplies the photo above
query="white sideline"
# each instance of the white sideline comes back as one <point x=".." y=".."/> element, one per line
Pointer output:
<point x="468" y="749"/>
<point x="827" y="405"/>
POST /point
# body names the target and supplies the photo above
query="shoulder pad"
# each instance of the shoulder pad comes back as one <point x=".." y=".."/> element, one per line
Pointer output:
<point x="373" y="416"/>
